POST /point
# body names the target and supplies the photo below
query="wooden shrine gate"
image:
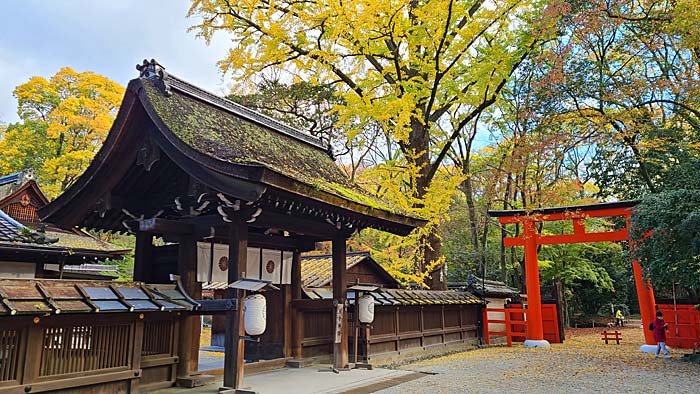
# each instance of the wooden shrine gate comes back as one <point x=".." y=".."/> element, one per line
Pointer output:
<point x="511" y="323"/>
<point x="683" y="326"/>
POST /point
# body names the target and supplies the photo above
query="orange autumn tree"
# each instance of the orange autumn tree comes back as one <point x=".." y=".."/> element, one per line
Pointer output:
<point x="64" y="121"/>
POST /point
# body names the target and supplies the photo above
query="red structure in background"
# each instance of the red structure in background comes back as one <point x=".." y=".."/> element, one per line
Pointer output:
<point x="530" y="239"/>
<point x="683" y="326"/>
<point x="515" y="323"/>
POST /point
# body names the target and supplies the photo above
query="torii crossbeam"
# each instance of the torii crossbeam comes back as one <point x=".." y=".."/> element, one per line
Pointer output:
<point x="530" y="239"/>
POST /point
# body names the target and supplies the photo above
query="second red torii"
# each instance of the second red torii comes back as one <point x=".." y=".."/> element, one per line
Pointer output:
<point x="530" y="239"/>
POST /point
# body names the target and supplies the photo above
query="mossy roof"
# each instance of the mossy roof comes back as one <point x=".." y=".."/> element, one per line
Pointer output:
<point x="15" y="233"/>
<point x="213" y="129"/>
<point x="83" y="242"/>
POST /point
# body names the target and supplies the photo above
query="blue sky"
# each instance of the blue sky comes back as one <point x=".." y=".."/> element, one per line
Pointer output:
<point x="107" y="37"/>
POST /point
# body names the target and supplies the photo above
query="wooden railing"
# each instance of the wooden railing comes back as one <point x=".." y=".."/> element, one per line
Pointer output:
<point x="395" y="328"/>
<point x="84" y="348"/>
<point x="157" y="338"/>
<point x="513" y="324"/>
<point x="10" y="341"/>
<point x="399" y="328"/>
<point x="66" y="353"/>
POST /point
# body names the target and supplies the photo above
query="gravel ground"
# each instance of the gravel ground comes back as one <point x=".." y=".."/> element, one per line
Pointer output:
<point x="583" y="364"/>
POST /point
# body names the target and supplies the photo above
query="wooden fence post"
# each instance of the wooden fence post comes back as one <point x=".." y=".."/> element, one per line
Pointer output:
<point x="396" y="317"/>
<point x="136" y="355"/>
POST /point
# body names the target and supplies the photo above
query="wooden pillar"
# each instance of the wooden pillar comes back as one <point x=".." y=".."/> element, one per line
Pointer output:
<point x="398" y="330"/>
<point x="340" y="345"/>
<point x="296" y="316"/>
<point x="288" y="318"/>
<point x="143" y="257"/>
<point x="233" y="342"/>
<point x="136" y="354"/>
<point x="188" y="346"/>
<point x="535" y="331"/>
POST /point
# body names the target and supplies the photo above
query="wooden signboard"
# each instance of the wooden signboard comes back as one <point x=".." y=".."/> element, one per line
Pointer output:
<point x="339" y="315"/>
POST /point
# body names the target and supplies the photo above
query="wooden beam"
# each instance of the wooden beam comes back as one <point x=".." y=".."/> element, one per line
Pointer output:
<point x="318" y="229"/>
<point x="276" y="242"/>
<point x="294" y="224"/>
<point x="136" y="354"/>
<point x="162" y="226"/>
<point x="297" y="315"/>
<point x="340" y="349"/>
<point x="233" y="342"/>
<point x="188" y="347"/>
<point x="288" y="313"/>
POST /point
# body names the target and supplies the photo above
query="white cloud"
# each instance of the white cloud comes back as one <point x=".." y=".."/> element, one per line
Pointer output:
<point x="109" y="38"/>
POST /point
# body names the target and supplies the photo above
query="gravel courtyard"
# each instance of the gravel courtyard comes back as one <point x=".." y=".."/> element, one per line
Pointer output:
<point x="583" y="364"/>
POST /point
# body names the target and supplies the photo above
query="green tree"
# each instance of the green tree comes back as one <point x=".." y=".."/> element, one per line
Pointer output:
<point x="666" y="231"/>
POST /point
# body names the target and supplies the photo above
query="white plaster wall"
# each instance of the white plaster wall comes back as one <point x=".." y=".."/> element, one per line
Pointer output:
<point x="496" y="303"/>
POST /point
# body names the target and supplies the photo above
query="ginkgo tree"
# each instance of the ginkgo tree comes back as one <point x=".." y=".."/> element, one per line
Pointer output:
<point x="64" y="120"/>
<point x="422" y="69"/>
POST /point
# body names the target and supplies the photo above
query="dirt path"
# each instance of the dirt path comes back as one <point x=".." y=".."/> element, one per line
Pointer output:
<point x="583" y="364"/>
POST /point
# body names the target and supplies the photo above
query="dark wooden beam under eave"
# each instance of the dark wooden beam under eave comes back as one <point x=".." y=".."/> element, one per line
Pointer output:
<point x="319" y="228"/>
<point x="162" y="226"/>
<point x="276" y="242"/>
<point x="190" y="226"/>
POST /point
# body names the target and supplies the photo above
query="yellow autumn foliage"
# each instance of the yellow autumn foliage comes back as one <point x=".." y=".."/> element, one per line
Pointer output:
<point x="64" y="120"/>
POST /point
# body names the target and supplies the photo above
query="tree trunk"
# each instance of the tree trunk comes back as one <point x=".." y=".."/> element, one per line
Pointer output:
<point x="418" y="154"/>
<point x="506" y="197"/>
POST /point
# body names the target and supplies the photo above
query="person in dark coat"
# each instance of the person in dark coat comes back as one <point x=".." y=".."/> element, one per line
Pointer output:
<point x="660" y="327"/>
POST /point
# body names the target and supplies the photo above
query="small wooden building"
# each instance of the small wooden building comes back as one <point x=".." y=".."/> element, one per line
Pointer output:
<point x="30" y="248"/>
<point x="494" y="293"/>
<point x="85" y="337"/>
<point x="187" y="166"/>
<point x="317" y="271"/>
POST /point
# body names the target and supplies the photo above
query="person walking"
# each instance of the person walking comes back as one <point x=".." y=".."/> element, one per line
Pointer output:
<point x="659" y="328"/>
<point x="619" y="318"/>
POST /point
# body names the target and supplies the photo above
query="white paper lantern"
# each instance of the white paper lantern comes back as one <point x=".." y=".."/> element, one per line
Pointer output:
<point x="254" y="314"/>
<point x="366" y="309"/>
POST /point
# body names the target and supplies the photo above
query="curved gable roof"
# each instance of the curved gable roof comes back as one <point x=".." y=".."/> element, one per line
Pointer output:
<point x="213" y="127"/>
<point x="221" y="143"/>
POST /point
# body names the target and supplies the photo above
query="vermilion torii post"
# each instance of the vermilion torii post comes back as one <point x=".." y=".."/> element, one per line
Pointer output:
<point x="530" y="239"/>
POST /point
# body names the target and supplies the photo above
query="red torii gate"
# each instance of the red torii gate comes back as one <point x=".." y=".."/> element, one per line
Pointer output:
<point x="530" y="239"/>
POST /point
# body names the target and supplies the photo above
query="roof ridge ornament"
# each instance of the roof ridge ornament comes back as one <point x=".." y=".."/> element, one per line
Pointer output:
<point x="156" y="72"/>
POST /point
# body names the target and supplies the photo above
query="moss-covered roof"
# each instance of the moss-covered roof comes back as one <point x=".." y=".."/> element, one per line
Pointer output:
<point x="213" y="130"/>
<point x="15" y="232"/>
<point x="83" y="242"/>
